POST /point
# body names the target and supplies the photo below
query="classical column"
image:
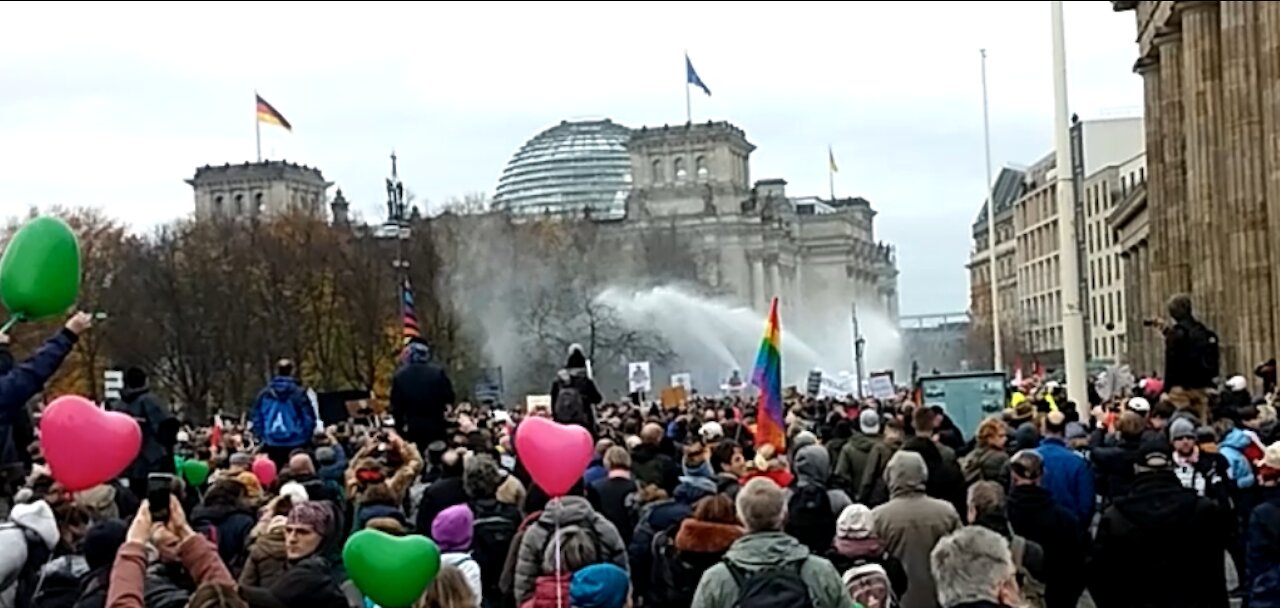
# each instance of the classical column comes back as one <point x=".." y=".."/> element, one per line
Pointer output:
<point x="759" y="293"/>
<point x="1268" y="23"/>
<point x="1248" y="249"/>
<point x="1169" y="216"/>
<point x="1207" y="215"/>
<point x="1149" y="68"/>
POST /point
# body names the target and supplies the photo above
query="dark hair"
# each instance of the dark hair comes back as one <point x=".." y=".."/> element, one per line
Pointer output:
<point x="1248" y="412"/>
<point x="284" y="367"/>
<point x="134" y="377"/>
<point x="1163" y="410"/>
<point x="922" y="420"/>
<point x="225" y="492"/>
<point x="722" y="455"/>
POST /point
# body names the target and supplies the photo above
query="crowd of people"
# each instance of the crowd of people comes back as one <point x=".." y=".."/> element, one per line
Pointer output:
<point x="1148" y="502"/>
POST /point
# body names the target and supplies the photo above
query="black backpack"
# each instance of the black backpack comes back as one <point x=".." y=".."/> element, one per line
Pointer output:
<point x="491" y="538"/>
<point x="809" y="517"/>
<point x="1206" y="345"/>
<point x="571" y="408"/>
<point x="776" y="587"/>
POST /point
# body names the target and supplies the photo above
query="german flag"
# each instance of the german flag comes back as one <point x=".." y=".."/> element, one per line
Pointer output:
<point x="268" y="114"/>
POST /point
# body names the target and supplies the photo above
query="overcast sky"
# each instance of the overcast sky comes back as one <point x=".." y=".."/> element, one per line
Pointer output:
<point x="114" y="104"/>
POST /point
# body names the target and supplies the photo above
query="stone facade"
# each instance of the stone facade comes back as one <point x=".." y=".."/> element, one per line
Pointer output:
<point x="754" y="241"/>
<point x="252" y="189"/>
<point x="1211" y="73"/>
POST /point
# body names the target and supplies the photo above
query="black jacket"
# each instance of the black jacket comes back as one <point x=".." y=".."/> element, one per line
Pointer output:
<point x="420" y="394"/>
<point x="307" y="583"/>
<point x="1160" y="531"/>
<point x="1188" y="362"/>
<point x="1033" y="515"/>
<point x="159" y="431"/>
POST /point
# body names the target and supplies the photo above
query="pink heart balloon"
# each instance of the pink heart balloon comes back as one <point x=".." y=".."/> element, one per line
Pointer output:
<point x="86" y="445"/>
<point x="554" y="454"/>
<point x="265" y="470"/>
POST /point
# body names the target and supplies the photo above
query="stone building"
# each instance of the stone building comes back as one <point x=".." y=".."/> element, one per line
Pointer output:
<point x="1211" y="74"/>
<point x="1028" y="251"/>
<point x="750" y="241"/>
<point x="264" y="188"/>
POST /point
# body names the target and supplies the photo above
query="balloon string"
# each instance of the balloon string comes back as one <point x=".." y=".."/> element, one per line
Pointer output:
<point x="4" y="329"/>
<point x="559" y="585"/>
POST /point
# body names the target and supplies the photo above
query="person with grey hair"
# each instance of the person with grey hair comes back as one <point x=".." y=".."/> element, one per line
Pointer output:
<point x="973" y="568"/>
<point x="768" y="562"/>
<point x="911" y="524"/>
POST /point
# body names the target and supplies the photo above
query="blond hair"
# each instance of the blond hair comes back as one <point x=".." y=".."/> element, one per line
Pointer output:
<point x="449" y="590"/>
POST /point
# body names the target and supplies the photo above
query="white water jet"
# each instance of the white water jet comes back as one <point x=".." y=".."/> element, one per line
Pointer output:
<point x="712" y="337"/>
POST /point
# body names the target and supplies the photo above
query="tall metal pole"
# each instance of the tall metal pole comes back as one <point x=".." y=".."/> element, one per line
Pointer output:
<point x="1073" y="348"/>
<point x="997" y="348"/>
<point x="858" y="344"/>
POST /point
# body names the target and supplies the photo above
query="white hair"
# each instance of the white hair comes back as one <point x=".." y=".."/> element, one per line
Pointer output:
<point x="762" y="505"/>
<point x="969" y="565"/>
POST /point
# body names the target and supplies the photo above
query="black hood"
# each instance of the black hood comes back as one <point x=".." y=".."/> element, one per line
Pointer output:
<point x="1157" y="500"/>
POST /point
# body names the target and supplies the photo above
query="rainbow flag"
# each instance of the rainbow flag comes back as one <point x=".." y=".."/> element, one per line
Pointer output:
<point x="770" y="423"/>
<point x="408" y="315"/>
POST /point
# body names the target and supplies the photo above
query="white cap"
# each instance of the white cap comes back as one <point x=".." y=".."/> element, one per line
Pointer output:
<point x="711" y="431"/>
<point x="1237" y="383"/>
<point x="1140" y="405"/>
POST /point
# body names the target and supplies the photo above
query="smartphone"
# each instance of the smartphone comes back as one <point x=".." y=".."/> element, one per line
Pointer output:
<point x="159" y="485"/>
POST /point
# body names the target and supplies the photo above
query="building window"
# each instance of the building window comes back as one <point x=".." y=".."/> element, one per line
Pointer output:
<point x="239" y="204"/>
<point x="257" y="203"/>
<point x="657" y="170"/>
<point x="217" y="204"/>
<point x="701" y="167"/>
<point x="680" y="172"/>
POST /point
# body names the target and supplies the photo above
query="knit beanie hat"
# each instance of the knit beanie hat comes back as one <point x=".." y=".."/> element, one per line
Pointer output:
<point x="313" y="514"/>
<point x="1181" y="428"/>
<point x="102" y="541"/>
<point x="854" y="522"/>
<point x="451" y="529"/>
<point x="599" y="586"/>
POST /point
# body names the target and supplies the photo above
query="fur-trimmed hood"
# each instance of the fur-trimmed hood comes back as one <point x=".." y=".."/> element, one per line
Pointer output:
<point x="699" y="536"/>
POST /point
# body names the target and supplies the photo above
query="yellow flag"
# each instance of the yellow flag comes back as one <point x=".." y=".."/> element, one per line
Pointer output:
<point x="831" y="159"/>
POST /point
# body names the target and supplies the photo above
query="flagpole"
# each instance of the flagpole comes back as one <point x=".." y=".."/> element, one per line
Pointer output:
<point x="831" y="173"/>
<point x="997" y="349"/>
<point x="688" y="103"/>
<point x="257" y="126"/>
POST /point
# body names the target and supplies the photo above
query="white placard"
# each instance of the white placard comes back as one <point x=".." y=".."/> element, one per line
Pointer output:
<point x="639" y="379"/>
<point x="881" y="386"/>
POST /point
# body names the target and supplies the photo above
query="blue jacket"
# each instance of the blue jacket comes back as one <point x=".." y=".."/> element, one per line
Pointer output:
<point x="285" y="389"/>
<point x="26" y="379"/>
<point x="1068" y="478"/>
<point x="1232" y="448"/>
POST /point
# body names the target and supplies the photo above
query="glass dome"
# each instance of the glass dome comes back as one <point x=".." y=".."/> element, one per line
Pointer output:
<point x="569" y="168"/>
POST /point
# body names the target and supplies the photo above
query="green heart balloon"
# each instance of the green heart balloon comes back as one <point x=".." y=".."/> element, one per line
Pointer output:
<point x="196" y="472"/>
<point x="393" y="571"/>
<point x="40" y="270"/>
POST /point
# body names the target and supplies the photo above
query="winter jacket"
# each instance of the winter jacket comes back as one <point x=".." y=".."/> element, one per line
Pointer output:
<point x="1067" y="478"/>
<point x="853" y="458"/>
<point x="1160" y="529"/>
<point x="616" y="493"/>
<point x="762" y="550"/>
<point x="420" y="393"/>
<point x="848" y="553"/>
<point x="650" y="466"/>
<point x="576" y="378"/>
<point x="1261" y="578"/>
<point x="911" y="524"/>
<point x="267" y="559"/>
<point x="1233" y="447"/>
<point x="229" y="528"/>
<point x="681" y="558"/>
<point x="872" y="489"/>
<point x="550" y="591"/>
<point x="285" y="388"/>
<point x="469" y="569"/>
<point x="564" y="511"/>
<point x="986" y="464"/>
<point x="24" y="380"/>
<point x="308" y="583"/>
<point x="31" y="528"/>
<point x="128" y="575"/>
<point x="813" y="466"/>
<point x="159" y="431"/>
<point x="1034" y="515"/>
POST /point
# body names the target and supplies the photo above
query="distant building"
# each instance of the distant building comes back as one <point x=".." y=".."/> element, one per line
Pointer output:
<point x="266" y="188"/>
<point x="1105" y="155"/>
<point x="935" y="343"/>
<point x="694" y="180"/>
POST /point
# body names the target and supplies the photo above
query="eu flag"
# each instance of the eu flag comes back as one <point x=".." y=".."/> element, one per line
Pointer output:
<point x="691" y="76"/>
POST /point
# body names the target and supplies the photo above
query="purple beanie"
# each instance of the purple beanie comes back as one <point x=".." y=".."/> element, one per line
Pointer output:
<point x="313" y="514"/>
<point x="452" y="529"/>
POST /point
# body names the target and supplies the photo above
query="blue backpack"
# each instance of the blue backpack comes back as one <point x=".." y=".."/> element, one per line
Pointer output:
<point x="282" y="421"/>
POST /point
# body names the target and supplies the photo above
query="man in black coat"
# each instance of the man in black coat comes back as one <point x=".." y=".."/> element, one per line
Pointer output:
<point x="1160" y="531"/>
<point x="420" y="395"/>
<point x="574" y="376"/>
<point x="159" y="430"/>
<point x="1191" y="358"/>
<point x="1035" y="516"/>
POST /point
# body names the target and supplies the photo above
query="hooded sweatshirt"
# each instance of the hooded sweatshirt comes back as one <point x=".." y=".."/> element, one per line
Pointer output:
<point x="813" y="465"/>
<point x="32" y="521"/>
<point x="762" y="550"/>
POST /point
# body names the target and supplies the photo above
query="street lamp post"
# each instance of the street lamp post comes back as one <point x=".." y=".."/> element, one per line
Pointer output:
<point x="859" y="346"/>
